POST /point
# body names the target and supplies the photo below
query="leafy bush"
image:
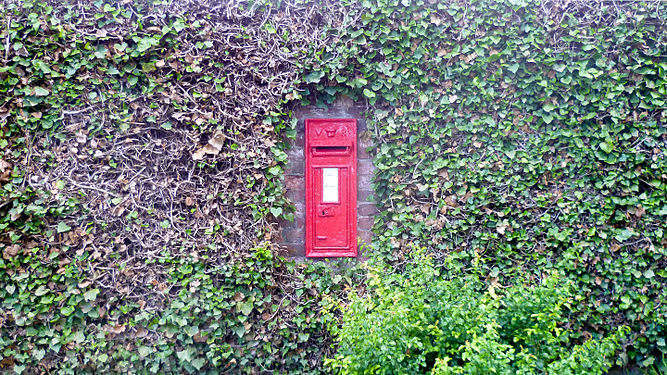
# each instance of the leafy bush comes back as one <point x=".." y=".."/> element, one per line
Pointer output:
<point x="659" y="368"/>
<point x="420" y="321"/>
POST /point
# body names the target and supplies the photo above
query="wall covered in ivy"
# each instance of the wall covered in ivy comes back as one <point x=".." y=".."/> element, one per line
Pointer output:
<point x="143" y="142"/>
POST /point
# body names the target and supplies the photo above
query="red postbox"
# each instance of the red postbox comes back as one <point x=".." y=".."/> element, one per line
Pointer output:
<point x="331" y="187"/>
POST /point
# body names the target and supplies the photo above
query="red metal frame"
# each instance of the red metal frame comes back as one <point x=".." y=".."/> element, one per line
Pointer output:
<point x="331" y="226"/>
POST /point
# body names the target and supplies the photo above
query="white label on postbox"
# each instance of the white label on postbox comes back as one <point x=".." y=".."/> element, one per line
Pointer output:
<point x="330" y="185"/>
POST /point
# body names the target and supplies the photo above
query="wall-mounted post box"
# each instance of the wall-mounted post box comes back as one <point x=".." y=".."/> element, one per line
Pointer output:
<point x="331" y="187"/>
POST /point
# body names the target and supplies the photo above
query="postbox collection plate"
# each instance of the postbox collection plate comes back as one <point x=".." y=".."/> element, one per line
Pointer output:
<point x="331" y="187"/>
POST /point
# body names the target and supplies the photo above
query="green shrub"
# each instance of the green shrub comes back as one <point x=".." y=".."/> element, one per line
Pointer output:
<point x="659" y="368"/>
<point x="419" y="321"/>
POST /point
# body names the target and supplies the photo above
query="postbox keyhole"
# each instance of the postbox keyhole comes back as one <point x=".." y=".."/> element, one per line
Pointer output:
<point x="325" y="211"/>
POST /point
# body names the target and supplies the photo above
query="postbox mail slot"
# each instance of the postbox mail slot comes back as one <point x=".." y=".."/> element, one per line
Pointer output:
<point x="330" y="150"/>
<point x="331" y="187"/>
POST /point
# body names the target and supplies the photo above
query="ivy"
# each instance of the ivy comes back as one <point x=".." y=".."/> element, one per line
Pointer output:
<point x="525" y="135"/>
<point x="106" y="101"/>
<point x="522" y="136"/>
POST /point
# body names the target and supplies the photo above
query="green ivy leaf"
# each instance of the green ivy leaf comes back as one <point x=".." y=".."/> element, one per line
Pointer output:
<point x="184" y="355"/>
<point x="359" y="82"/>
<point x="606" y="147"/>
<point x="239" y="330"/>
<point x="624" y="235"/>
<point x="67" y="310"/>
<point x="276" y="211"/>
<point x="44" y="67"/>
<point x="144" y="44"/>
<point x="144" y="351"/>
<point x="246" y="307"/>
<point x="101" y="52"/>
<point x="78" y="337"/>
<point x="91" y="295"/>
<point x="38" y="354"/>
<point x="42" y="290"/>
<point x="40" y="91"/>
<point x="314" y="77"/>
<point x="198" y="363"/>
<point x="275" y="170"/>
<point x="179" y="25"/>
<point x="62" y="227"/>
<point x="368" y="93"/>
<point x="148" y="67"/>
<point x="559" y="67"/>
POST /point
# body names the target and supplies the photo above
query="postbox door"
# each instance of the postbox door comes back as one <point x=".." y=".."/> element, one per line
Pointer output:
<point x="331" y="208"/>
<point x="331" y="195"/>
